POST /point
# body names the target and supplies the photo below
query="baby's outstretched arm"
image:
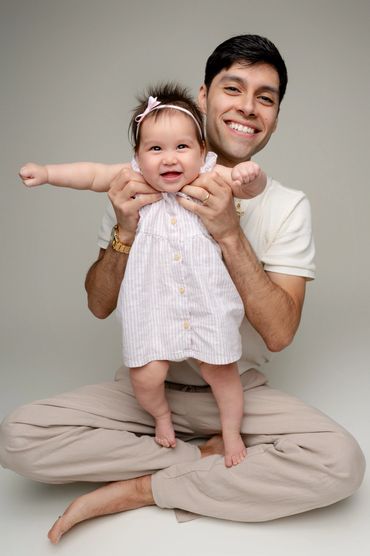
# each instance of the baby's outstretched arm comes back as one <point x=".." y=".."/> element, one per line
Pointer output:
<point x="246" y="179"/>
<point x="77" y="175"/>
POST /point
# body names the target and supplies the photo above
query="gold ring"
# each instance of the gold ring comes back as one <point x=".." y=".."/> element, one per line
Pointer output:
<point x="206" y="198"/>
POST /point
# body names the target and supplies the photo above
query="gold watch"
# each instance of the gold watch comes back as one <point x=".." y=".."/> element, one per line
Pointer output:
<point x="117" y="244"/>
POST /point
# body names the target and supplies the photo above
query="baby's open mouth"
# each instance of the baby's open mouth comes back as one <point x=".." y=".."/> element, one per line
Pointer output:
<point x="171" y="175"/>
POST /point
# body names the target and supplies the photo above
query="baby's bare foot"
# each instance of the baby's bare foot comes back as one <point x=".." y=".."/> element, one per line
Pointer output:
<point x="164" y="432"/>
<point x="235" y="450"/>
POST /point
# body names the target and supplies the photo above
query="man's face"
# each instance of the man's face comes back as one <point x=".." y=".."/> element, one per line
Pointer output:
<point x="242" y="106"/>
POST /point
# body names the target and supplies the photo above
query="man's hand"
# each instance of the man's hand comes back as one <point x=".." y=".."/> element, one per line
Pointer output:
<point x="216" y="205"/>
<point x="33" y="174"/>
<point x="128" y="193"/>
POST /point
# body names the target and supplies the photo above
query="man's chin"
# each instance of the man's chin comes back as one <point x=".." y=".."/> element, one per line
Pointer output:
<point x="232" y="158"/>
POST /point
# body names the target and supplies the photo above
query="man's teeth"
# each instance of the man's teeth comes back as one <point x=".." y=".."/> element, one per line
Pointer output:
<point x="242" y="128"/>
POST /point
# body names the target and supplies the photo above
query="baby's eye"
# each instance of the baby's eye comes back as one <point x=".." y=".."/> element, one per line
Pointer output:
<point x="182" y="146"/>
<point x="155" y="148"/>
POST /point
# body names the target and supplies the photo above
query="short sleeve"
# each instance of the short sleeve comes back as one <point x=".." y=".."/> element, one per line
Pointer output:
<point x="292" y="249"/>
<point x="105" y="230"/>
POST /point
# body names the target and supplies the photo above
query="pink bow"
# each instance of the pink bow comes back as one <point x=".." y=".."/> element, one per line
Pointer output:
<point x="152" y="103"/>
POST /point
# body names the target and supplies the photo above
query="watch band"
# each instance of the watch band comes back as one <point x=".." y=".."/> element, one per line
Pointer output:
<point x="117" y="244"/>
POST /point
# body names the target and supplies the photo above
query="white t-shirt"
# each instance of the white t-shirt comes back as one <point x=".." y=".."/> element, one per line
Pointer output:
<point x="277" y="223"/>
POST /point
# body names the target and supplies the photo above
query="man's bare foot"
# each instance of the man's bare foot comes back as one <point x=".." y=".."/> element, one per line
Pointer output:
<point x="164" y="432"/>
<point x="109" y="499"/>
<point x="214" y="445"/>
<point x="235" y="450"/>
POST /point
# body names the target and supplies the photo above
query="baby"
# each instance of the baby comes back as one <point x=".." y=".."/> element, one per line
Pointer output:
<point x="177" y="300"/>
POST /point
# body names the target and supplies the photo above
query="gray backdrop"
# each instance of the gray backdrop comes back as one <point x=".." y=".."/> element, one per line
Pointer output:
<point x="69" y="74"/>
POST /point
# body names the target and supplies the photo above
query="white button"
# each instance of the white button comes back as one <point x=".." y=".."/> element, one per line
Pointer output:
<point x="177" y="257"/>
<point x="173" y="220"/>
<point x="186" y="325"/>
<point x="182" y="290"/>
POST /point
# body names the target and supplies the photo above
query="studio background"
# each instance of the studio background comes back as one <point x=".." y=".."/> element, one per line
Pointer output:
<point x="70" y="72"/>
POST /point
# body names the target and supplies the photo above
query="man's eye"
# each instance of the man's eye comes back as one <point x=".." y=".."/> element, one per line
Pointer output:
<point x="182" y="146"/>
<point x="266" y="100"/>
<point x="231" y="89"/>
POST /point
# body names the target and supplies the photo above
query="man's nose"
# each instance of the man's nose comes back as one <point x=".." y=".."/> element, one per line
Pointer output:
<point x="247" y="105"/>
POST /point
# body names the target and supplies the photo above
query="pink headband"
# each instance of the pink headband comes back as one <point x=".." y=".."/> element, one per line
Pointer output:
<point x="154" y="104"/>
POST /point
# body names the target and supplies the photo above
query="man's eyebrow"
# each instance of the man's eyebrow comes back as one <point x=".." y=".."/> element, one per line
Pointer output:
<point x="244" y="83"/>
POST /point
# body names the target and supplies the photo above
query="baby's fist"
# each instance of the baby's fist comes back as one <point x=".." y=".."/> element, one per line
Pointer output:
<point x="33" y="174"/>
<point x="245" y="173"/>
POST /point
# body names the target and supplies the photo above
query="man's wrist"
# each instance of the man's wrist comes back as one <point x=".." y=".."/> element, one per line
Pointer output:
<point x="232" y="240"/>
<point x="119" y="242"/>
<point x="125" y="236"/>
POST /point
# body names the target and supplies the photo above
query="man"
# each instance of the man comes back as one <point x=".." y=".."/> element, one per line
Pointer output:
<point x="298" y="459"/>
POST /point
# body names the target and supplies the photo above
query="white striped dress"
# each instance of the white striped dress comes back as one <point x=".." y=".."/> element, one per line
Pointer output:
<point x="177" y="300"/>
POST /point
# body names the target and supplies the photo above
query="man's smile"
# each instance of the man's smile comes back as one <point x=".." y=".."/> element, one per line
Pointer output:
<point x="245" y="129"/>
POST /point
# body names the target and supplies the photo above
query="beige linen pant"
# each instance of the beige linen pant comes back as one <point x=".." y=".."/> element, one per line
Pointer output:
<point x="298" y="459"/>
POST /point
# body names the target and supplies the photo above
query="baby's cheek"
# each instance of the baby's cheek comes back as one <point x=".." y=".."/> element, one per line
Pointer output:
<point x="192" y="175"/>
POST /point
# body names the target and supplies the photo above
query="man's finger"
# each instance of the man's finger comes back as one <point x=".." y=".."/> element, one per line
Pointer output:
<point x="146" y="199"/>
<point x="193" y="206"/>
<point x="199" y="193"/>
<point x="130" y="188"/>
<point x="211" y="181"/>
<point x="125" y="176"/>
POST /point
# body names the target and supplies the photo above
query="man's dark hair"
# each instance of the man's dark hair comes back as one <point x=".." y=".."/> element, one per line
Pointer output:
<point x="165" y="93"/>
<point x="248" y="50"/>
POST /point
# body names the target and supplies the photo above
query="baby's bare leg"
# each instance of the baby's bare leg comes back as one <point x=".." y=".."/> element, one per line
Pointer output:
<point x="148" y="385"/>
<point x="228" y="391"/>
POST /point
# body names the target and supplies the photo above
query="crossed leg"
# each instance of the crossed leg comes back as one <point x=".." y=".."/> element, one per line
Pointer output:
<point x="116" y="497"/>
<point x="298" y="459"/>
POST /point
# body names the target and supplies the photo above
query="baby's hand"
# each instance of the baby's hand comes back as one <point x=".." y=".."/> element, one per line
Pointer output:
<point x="33" y="174"/>
<point x="245" y="173"/>
<point x="248" y="180"/>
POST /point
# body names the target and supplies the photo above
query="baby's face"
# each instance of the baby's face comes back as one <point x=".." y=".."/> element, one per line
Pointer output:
<point x="169" y="154"/>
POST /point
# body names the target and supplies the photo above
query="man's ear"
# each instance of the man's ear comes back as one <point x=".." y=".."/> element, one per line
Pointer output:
<point x="202" y="99"/>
